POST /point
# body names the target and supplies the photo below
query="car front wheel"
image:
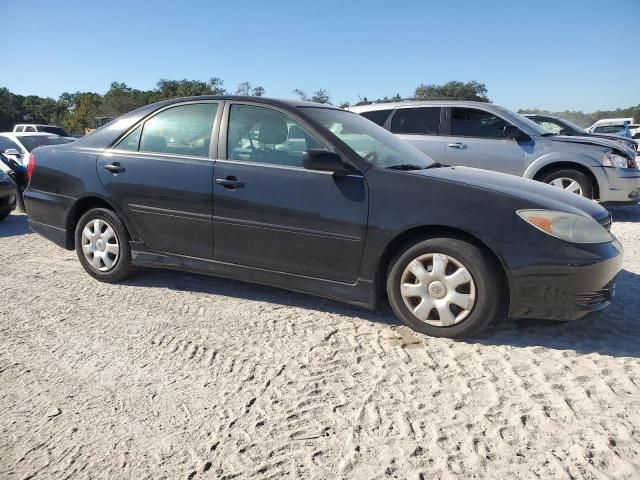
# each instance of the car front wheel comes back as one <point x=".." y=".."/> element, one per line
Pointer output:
<point x="444" y="287"/>
<point x="102" y="245"/>
<point x="572" y="181"/>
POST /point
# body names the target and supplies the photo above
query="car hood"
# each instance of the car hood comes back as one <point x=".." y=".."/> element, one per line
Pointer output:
<point x="601" y="142"/>
<point x="532" y="192"/>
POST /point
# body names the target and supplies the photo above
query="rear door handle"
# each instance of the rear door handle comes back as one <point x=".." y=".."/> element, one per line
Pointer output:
<point x="457" y="145"/>
<point x="114" y="167"/>
<point x="230" y="183"/>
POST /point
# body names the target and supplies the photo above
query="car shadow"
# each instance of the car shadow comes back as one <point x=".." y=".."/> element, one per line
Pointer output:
<point x="192" y="282"/>
<point x="613" y="331"/>
<point x="626" y="214"/>
<point x="14" y="225"/>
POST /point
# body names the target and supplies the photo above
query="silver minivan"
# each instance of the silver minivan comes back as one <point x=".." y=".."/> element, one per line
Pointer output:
<point x="487" y="136"/>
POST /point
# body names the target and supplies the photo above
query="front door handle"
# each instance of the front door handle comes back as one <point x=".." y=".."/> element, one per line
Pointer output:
<point x="114" y="167"/>
<point x="457" y="145"/>
<point x="230" y="183"/>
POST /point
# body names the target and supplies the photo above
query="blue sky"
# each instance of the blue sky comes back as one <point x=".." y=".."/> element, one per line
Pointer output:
<point x="551" y="54"/>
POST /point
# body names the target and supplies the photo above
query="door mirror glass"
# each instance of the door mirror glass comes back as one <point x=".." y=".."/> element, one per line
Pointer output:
<point x="324" y="161"/>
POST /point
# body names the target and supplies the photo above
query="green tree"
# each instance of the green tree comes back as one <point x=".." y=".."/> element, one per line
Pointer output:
<point x="453" y="90"/>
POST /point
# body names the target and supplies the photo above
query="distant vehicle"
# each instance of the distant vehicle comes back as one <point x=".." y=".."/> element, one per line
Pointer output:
<point x="18" y="174"/>
<point x="615" y="125"/>
<point x="34" y="127"/>
<point x="8" y="195"/>
<point x="336" y="206"/>
<point x="560" y="126"/>
<point x="483" y="135"/>
<point x="17" y="146"/>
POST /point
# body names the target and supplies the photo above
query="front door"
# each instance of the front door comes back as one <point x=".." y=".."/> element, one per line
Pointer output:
<point x="421" y="127"/>
<point x="477" y="140"/>
<point x="161" y="175"/>
<point x="271" y="213"/>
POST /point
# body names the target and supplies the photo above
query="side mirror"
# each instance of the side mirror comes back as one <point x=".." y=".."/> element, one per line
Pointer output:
<point x="514" y="133"/>
<point x="324" y="161"/>
<point x="12" y="151"/>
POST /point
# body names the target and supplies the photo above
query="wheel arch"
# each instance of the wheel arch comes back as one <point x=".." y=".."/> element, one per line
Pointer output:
<point x="550" y="167"/>
<point x="79" y="208"/>
<point x="419" y="233"/>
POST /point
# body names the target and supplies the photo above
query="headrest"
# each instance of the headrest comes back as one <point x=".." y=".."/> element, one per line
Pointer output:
<point x="273" y="131"/>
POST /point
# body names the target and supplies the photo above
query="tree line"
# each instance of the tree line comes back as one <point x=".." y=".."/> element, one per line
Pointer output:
<point x="78" y="111"/>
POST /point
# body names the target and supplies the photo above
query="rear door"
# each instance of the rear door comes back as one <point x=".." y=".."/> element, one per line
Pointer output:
<point x="161" y="173"/>
<point x="270" y="212"/>
<point x="421" y="127"/>
<point x="476" y="139"/>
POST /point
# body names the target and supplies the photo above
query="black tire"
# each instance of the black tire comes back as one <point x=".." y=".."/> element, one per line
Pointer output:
<point x="483" y="273"/>
<point x="122" y="267"/>
<point x="4" y="215"/>
<point x="586" y="185"/>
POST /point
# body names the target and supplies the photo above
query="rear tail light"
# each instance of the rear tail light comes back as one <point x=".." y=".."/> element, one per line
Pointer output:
<point x="31" y="165"/>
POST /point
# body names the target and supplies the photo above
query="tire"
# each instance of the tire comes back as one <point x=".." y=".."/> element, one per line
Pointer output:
<point x="4" y="215"/>
<point x="115" y="263"/>
<point x="479" y="287"/>
<point x="566" y="176"/>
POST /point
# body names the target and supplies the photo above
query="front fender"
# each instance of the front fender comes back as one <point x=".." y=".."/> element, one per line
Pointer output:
<point x="580" y="159"/>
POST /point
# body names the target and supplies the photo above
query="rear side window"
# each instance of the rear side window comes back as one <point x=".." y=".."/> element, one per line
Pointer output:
<point x="417" y="121"/>
<point x="377" y="116"/>
<point x="20" y="129"/>
<point x="469" y="122"/>
<point x="608" y="129"/>
<point x="29" y="129"/>
<point x="181" y="130"/>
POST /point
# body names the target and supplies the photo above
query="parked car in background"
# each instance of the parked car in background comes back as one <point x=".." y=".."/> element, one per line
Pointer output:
<point x="487" y="136"/>
<point x="17" y="145"/>
<point x="560" y="126"/>
<point x="613" y="126"/>
<point x="18" y="174"/>
<point x="217" y="185"/>
<point x="8" y="195"/>
<point x="34" y="127"/>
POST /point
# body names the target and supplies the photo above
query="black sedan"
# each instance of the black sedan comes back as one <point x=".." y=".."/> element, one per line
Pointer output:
<point x="319" y="200"/>
<point x="8" y="194"/>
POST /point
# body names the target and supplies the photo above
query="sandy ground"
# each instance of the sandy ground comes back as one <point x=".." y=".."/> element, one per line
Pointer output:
<point x="171" y="375"/>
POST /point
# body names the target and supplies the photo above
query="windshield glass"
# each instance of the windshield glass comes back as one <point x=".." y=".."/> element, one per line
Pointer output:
<point x="573" y="126"/>
<point x="373" y="143"/>
<point x="55" y="130"/>
<point x="33" y="141"/>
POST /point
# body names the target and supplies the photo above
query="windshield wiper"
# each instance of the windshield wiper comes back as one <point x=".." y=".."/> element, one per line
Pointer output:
<point x="405" y="166"/>
<point x="434" y="165"/>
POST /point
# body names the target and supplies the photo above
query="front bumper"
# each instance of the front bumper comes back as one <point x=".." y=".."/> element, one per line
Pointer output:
<point x="566" y="291"/>
<point x="618" y="185"/>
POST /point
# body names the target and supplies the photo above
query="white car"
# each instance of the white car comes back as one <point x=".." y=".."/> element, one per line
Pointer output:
<point x="36" y="127"/>
<point x="17" y="145"/>
<point x="612" y="126"/>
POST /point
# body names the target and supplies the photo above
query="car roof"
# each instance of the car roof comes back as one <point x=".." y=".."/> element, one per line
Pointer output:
<point x="416" y="103"/>
<point x="28" y="134"/>
<point x="286" y="102"/>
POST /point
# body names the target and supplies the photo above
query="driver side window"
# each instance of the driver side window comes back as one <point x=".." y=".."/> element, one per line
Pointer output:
<point x="263" y="135"/>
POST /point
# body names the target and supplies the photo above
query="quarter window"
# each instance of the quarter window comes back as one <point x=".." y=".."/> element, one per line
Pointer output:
<point x="469" y="122"/>
<point x="181" y="130"/>
<point x="419" y="121"/>
<point x="262" y="135"/>
<point x="377" y="116"/>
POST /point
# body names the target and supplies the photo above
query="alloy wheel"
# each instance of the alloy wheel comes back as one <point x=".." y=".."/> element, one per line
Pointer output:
<point x="568" y="184"/>
<point x="438" y="289"/>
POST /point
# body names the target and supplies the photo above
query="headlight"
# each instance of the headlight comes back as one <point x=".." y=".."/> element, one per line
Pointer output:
<point x="611" y="159"/>
<point x="566" y="226"/>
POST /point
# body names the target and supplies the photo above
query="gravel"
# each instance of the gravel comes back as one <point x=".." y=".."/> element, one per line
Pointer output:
<point x="172" y="375"/>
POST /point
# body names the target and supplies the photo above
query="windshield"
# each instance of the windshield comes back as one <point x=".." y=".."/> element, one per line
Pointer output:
<point x="373" y="143"/>
<point x="33" y="141"/>
<point x="573" y="126"/>
<point x="55" y="130"/>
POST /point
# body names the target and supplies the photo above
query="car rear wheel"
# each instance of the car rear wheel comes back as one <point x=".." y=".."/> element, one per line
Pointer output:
<point x="573" y="181"/>
<point x="444" y="287"/>
<point x="102" y="245"/>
